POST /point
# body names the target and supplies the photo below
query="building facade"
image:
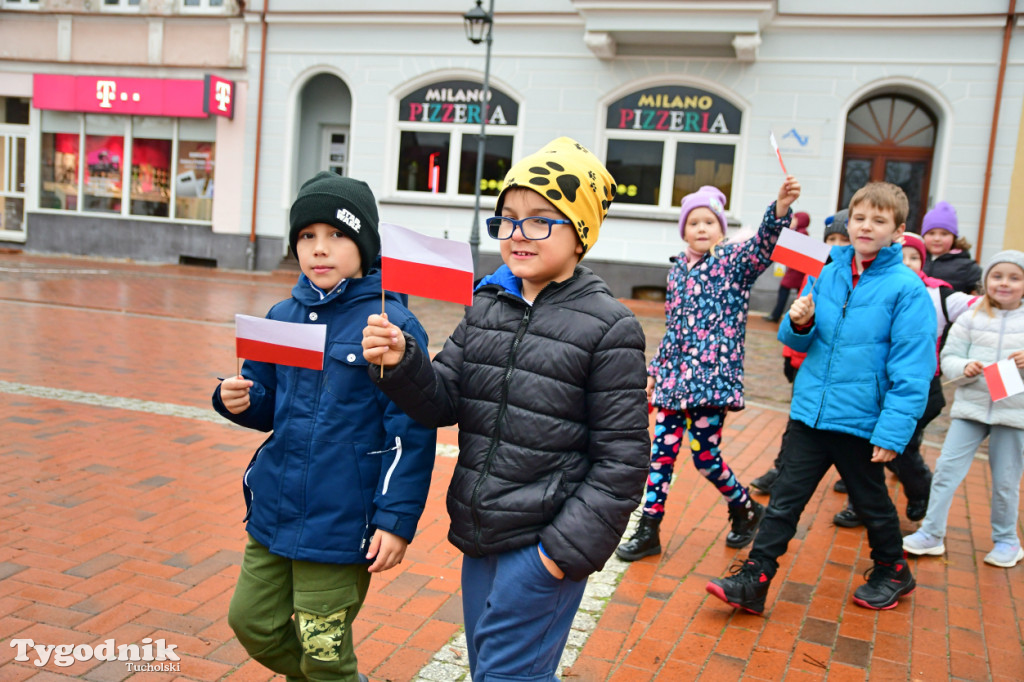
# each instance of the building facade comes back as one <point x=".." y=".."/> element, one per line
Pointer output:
<point x="671" y="94"/>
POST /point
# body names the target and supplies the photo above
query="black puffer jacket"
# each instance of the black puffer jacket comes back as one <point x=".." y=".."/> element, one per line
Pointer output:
<point x="957" y="269"/>
<point x="552" y="414"/>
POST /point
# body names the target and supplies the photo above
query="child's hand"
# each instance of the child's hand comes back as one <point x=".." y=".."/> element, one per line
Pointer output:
<point x="973" y="368"/>
<point x="788" y="193"/>
<point x="1018" y="357"/>
<point x="389" y="550"/>
<point x="234" y="393"/>
<point x="883" y="455"/>
<point x="549" y="564"/>
<point x="802" y="311"/>
<point x="383" y="342"/>
<point x="650" y="389"/>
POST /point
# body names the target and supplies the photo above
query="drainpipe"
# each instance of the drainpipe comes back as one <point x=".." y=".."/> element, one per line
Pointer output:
<point x="1007" y="33"/>
<point x="250" y="248"/>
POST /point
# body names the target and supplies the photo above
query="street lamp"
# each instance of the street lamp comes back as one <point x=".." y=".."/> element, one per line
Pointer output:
<point x="479" y="27"/>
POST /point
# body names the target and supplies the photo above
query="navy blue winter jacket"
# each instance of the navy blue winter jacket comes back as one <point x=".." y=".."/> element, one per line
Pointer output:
<point x="871" y="352"/>
<point x="343" y="460"/>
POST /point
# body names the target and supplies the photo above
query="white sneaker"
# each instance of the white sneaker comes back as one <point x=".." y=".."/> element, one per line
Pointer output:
<point x="1004" y="555"/>
<point x="920" y="543"/>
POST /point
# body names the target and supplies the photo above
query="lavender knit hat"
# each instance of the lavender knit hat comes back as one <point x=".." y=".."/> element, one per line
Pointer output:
<point x="942" y="216"/>
<point x="706" y="197"/>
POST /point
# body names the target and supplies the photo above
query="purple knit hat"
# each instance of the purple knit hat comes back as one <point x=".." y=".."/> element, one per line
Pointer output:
<point x="706" y="197"/>
<point x="942" y="216"/>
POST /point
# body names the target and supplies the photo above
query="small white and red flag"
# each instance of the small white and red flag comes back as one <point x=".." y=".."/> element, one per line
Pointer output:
<point x="775" y="146"/>
<point x="282" y="343"/>
<point x="801" y="252"/>
<point x="413" y="263"/>
<point x="1003" y="379"/>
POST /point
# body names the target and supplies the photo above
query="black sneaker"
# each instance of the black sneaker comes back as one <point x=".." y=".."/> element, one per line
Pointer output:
<point x="745" y="589"/>
<point x="886" y="584"/>
<point x="847" y="518"/>
<point x="916" y="509"/>
<point x="745" y="521"/>
<point x="765" y="481"/>
<point x="840" y="486"/>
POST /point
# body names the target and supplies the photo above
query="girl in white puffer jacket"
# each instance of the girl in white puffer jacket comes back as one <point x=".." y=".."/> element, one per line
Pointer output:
<point x="992" y="331"/>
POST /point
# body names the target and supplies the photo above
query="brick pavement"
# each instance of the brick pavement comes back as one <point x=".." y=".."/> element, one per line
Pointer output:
<point x="121" y="519"/>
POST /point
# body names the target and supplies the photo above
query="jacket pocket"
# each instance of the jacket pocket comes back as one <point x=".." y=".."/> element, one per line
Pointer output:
<point x="344" y="414"/>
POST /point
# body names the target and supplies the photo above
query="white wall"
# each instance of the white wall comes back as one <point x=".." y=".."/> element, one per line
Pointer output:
<point x="805" y="72"/>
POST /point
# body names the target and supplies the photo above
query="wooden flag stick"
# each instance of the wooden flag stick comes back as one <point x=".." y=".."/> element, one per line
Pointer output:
<point x="382" y="314"/>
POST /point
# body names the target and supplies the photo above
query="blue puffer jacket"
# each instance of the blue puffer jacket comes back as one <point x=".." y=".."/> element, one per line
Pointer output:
<point x="870" y="352"/>
<point x="343" y="459"/>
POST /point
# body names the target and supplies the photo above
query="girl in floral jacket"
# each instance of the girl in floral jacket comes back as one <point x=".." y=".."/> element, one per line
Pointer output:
<point x="697" y="374"/>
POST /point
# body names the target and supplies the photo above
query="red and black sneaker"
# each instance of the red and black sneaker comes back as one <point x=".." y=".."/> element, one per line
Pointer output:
<point x="886" y="584"/>
<point x="745" y="589"/>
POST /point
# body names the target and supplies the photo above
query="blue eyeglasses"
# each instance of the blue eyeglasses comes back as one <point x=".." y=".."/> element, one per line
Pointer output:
<point x="533" y="228"/>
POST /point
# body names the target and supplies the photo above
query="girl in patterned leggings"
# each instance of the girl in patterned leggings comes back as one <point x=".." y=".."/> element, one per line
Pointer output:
<point x="697" y="374"/>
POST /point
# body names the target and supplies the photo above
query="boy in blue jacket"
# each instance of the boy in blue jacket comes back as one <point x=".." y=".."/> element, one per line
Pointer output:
<point x="868" y="328"/>
<point x="336" y="492"/>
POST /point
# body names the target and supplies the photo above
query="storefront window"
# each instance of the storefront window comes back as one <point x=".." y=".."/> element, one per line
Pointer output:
<point x="423" y="162"/>
<point x="104" y="163"/>
<point x="159" y="150"/>
<point x="665" y="142"/>
<point x="439" y="128"/>
<point x="59" y="160"/>
<point x="702" y="164"/>
<point x="151" y="166"/>
<point x="636" y="167"/>
<point x="497" y="160"/>
<point x="193" y="179"/>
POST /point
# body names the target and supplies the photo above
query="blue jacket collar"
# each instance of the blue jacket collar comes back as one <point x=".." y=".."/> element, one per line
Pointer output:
<point x="309" y="294"/>
<point x="503" y="278"/>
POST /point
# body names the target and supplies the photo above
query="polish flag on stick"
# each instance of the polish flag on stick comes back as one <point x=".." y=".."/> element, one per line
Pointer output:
<point x="413" y="263"/>
<point x="775" y="146"/>
<point x="282" y="343"/>
<point x="1003" y="379"/>
<point x="801" y="252"/>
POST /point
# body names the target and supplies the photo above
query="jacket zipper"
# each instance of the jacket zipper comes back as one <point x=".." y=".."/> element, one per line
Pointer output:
<point x="999" y="352"/>
<point x="502" y="407"/>
<point x="828" y="368"/>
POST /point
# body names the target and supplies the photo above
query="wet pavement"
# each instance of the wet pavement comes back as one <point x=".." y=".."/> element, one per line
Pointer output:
<point x="120" y="512"/>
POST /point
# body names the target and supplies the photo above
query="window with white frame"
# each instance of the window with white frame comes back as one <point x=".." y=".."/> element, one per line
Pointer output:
<point x="200" y="6"/>
<point x="121" y="5"/>
<point x="664" y="142"/>
<point x="439" y="138"/>
<point x="149" y="166"/>
<point x="19" y="4"/>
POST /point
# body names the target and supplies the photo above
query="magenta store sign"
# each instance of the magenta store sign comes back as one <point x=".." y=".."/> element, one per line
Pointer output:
<point x="130" y="96"/>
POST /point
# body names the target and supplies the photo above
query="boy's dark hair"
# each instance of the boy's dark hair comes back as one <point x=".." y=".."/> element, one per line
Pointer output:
<point x="884" y="196"/>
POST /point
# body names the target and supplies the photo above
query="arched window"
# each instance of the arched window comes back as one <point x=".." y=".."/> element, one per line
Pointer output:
<point x="665" y="142"/>
<point x="890" y="138"/>
<point x="439" y="135"/>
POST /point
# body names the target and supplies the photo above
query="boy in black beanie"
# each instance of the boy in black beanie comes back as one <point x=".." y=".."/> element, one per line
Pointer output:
<point x="336" y="492"/>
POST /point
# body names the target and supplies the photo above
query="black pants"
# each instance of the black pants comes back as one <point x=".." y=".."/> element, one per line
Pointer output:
<point x="910" y="467"/>
<point x="809" y="454"/>
<point x="780" y="303"/>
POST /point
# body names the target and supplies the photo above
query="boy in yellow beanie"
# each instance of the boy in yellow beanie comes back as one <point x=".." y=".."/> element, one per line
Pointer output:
<point x="546" y="378"/>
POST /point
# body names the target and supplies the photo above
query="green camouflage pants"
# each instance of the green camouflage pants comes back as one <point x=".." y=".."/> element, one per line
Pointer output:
<point x="315" y="644"/>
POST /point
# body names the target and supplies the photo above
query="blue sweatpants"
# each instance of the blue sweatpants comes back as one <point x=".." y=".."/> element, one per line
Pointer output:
<point x="517" y="616"/>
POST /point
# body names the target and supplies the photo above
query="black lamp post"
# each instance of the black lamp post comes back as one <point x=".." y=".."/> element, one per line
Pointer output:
<point x="479" y="25"/>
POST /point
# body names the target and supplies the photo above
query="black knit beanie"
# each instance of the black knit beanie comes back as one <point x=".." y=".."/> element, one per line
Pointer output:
<point x="344" y="203"/>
